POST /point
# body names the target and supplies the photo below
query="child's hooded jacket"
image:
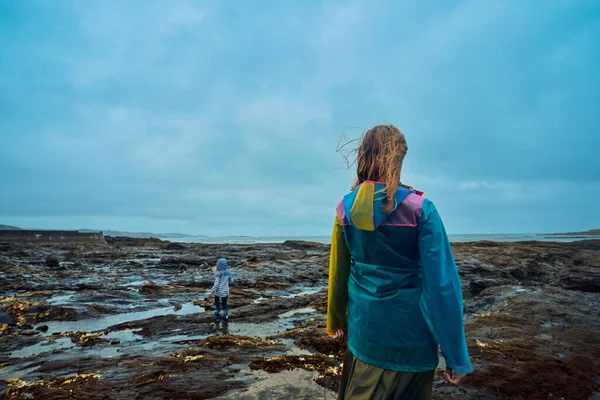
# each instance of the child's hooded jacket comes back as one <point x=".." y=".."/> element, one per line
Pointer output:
<point x="222" y="279"/>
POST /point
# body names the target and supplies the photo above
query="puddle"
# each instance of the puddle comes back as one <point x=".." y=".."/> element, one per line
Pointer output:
<point x="305" y="292"/>
<point x="148" y="260"/>
<point x="63" y="343"/>
<point x="259" y="329"/>
<point x="99" y="324"/>
<point x="282" y="295"/>
<point x="293" y="349"/>
<point x="43" y="347"/>
<point x="266" y="329"/>
<point x="144" y="282"/>
<point x="292" y="313"/>
<point x="124" y="335"/>
<point x="544" y="336"/>
<point x="184" y="338"/>
<point x="17" y="371"/>
<point x="62" y="299"/>
<point x="120" y="351"/>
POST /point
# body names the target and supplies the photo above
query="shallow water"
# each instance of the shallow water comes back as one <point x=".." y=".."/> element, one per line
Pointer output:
<point x="272" y="328"/>
<point x="99" y="324"/>
<point x="61" y="299"/>
<point x="43" y="347"/>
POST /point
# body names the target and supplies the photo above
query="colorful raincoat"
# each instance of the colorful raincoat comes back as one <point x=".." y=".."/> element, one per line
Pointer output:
<point x="393" y="283"/>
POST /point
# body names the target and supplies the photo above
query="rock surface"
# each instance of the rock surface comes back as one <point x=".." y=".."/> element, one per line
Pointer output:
<point x="128" y="319"/>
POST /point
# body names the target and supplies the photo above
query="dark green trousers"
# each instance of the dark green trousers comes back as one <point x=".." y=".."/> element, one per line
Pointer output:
<point x="361" y="381"/>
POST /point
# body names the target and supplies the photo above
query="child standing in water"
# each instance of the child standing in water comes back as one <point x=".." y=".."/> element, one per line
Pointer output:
<point x="220" y="290"/>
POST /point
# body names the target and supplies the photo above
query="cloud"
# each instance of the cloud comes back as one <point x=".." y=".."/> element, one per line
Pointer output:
<point x="498" y="186"/>
<point x="209" y="118"/>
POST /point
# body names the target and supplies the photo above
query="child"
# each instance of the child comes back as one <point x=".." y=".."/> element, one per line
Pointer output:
<point x="221" y="289"/>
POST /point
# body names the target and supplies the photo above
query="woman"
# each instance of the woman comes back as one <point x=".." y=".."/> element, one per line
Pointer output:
<point x="393" y="284"/>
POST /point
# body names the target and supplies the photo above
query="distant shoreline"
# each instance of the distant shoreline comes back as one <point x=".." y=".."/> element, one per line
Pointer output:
<point x="591" y="233"/>
<point x="243" y="239"/>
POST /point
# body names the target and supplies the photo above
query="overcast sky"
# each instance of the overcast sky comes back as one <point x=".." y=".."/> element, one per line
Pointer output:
<point x="222" y="118"/>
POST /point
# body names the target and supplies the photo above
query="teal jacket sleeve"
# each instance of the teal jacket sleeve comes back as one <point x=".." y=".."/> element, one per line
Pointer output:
<point x="442" y="301"/>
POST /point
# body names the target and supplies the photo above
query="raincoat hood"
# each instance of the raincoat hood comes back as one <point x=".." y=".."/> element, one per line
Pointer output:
<point x="364" y="205"/>
<point x="221" y="265"/>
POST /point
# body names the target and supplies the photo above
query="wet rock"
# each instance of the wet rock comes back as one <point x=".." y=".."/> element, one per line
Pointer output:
<point x="136" y="264"/>
<point x="153" y="288"/>
<point x="321" y="303"/>
<point x="42" y="328"/>
<point x="53" y="261"/>
<point x="175" y="246"/>
<point x="6" y="318"/>
<point x="28" y="332"/>
<point x="323" y="261"/>
<point x="583" y="280"/>
<point x="530" y="308"/>
<point x="115" y="342"/>
<point x="305" y="245"/>
<point x="229" y="341"/>
<point x="281" y="257"/>
<point x="175" y="262"/>
<point x="477" y="286"/>
<point x="134" y="242"/>
<point x="545" y="330"/>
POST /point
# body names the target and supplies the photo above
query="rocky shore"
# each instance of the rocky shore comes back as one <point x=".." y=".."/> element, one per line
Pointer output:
<point x="128" y="319"/>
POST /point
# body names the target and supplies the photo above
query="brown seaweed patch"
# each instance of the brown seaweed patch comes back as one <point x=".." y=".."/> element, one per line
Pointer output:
<point x="27" y="312"/>
<point x="230" y="341"/>
<point x="314" y="362"/>
<point x="5" y="329"/>
<point x="81" y="386"/>
<point x="316" y="339"/>
<point x="544" y="379"/>
<point x="17" y="308"/>
<point x="523" y="360"/>
<point x="331" y="378"/>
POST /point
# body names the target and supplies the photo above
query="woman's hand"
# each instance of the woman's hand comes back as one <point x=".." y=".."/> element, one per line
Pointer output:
<point x="339" y="334"/>
<point x="452" y="378"/>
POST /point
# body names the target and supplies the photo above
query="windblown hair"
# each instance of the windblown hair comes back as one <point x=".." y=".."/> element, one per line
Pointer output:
<point x="380" y="156"/>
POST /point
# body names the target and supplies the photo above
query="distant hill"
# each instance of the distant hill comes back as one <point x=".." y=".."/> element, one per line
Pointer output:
<point x="591" y="232"/>
<point x="143" y="235"/>
<point x="9" y="228"/>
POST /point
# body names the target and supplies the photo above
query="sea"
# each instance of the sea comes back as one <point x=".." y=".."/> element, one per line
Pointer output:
<point x="327" y="239"/>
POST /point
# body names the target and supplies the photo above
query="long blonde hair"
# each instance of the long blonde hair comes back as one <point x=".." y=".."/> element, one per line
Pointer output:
<point x="380" y="156"/>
